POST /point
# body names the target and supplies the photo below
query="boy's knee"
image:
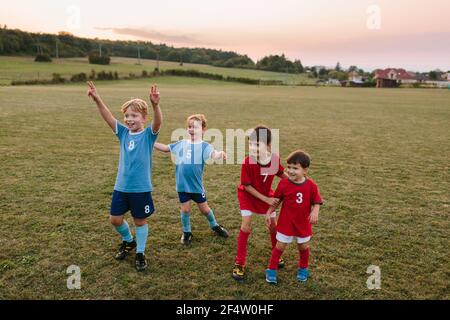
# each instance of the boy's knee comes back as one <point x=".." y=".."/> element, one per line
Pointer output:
<point x="140" y="222"/>
<point x="304" y="246"/>
<point x="246" y="227"/>
<point x="186" y="207"/>
<point x="281" y="246"/>
<point x="116" y="221"/>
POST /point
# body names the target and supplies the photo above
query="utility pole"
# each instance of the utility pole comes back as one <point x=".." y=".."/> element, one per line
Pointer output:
<point x="100" y="49"/>
<point x="139" y="56"/>
<point x="57" y="50"/>
<point x="157" y="59"/>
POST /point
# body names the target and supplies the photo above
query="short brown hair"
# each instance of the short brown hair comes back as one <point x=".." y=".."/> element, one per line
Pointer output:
<point x="299" y="157"/>
<point x="137" y="105"/>
<point x="197" y="117"/>
<point x="261" y="134"/>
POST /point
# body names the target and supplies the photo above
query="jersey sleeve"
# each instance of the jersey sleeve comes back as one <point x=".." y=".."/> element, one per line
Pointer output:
<point x="207" y="151"/>
<point x="279" y="192"/>
<point x="246" y="177"/>
<point x="175" y="147"/>
<point x="316" y="198"/>
<point x="121" y="130"/>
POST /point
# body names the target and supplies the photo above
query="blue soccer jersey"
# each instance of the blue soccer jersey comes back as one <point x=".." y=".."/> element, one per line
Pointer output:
<point x="135" y="163"/>
<point x="190" y="162"/>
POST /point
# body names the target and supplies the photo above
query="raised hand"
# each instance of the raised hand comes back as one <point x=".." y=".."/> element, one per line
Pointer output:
<point x="154" y="95"/>
<point x="92" y="91"/>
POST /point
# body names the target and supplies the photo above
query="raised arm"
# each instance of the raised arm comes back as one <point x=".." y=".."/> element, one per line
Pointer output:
<point x="157" y="114"/>
<point x="162" y="147"/>
<point x="102" y="108"/>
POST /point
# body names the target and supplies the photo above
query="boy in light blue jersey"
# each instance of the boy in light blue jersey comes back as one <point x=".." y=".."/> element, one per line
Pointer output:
<point x="133" y="187"/>
<point x="190" y="157"/>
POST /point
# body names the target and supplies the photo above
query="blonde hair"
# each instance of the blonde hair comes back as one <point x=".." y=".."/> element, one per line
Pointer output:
<point x="136" y="105"/>
<point x="197" y="117"/>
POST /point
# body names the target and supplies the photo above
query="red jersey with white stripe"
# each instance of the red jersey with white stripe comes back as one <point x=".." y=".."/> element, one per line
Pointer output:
<point x="297" y="200"/>
<point x="259" y="177"/>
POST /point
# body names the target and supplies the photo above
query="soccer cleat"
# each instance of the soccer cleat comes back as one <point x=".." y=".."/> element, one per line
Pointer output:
<point x="238" y="272"/>
<point x="271" y="276"/>
<point x="302" y="275"/>
<point x="124" y="249"/>
<point x="141" y="262"/>
<point x="281" y="263"/>
<point x="186" y="238"/>
<point x="220" y="231"/>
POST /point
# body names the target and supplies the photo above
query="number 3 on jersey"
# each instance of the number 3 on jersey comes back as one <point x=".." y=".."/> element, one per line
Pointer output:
<point x="299" y="198"/>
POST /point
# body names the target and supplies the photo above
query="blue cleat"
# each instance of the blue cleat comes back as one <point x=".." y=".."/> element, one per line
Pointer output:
<point x="302" y="275"/>
<point x="271" y="276"/>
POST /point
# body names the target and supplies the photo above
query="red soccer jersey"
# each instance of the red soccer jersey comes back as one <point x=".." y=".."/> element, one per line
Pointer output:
<point x="296" y="208"/>
<point x="259" y="177"/>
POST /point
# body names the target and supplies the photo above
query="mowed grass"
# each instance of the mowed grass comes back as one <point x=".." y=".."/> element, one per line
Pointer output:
<point x="380" y="158"/>
<point x="24" y="68"/>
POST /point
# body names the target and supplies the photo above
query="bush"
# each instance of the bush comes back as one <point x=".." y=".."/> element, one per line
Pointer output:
<point x="56" y="78"/>
<point x="96" y="59"/>
<point x="80" y="77"/>
<point x="42" y="58"/>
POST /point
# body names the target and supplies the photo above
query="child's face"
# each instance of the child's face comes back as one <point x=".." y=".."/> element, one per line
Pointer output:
<point x="195" y="129"/>
<point x="134" y="120"/>
<point x="258" y="149"/>
<point x="296" y="171"/>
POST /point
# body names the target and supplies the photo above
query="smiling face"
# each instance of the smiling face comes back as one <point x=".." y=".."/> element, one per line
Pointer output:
<point x="134" y="120"/>
<point x="296" y="172"/>
<point x="195" y="130"/>
<point x="258" y="150"/>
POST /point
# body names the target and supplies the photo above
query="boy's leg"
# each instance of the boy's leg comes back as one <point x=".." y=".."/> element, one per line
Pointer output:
<point x="277" y="251"/>
<point x="141" y="208"/>
<point x="271" y="271"/>
<point x="185" y="216"/>
<point x="122" y="227"/>
<point x="303" y="262"/>
<point x="244" y="234"/>
<point x="209" y="215"/>
<point x="273" y="236"/>
<point x="119" y="206"/>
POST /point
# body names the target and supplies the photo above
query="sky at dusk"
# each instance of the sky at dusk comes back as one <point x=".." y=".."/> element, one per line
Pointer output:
<point x="412" y="34"/>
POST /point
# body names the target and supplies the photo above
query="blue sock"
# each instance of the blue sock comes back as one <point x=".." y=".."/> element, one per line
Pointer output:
<point x="211" y="219"/>
<point x="186" y="221"/>
<point x="141" y="238"/>
<point x="124" y="231"/>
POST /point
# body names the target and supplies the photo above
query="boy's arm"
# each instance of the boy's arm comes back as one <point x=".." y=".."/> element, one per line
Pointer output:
<point x="270" y="201"/>
<point x="102" y="108"/>
<point x="314" y="217"/>
<point x="157" y="114"/>
<point x="161" y="147"/>
<point x="270" y="210"/>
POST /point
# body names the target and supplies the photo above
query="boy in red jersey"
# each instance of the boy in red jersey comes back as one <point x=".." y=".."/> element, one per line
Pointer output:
<point x="255" y="193"/>
<point x="301" y="204"/>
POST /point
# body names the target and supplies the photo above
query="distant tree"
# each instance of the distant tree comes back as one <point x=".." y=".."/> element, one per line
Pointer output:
<point x="352" y="68"/>
<point x="433" y="75"/>
<point x="338" y="67"/>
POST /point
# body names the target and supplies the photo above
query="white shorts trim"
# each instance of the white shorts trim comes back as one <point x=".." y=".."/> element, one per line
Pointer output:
<point x="248" y="213"/>
<point x="288" y="239"/>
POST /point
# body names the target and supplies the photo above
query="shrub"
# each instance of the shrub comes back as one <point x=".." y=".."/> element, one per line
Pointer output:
<point x="43" y="58"/>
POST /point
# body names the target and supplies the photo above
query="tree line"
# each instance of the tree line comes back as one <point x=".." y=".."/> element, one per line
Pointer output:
<point x="65" y="45"/>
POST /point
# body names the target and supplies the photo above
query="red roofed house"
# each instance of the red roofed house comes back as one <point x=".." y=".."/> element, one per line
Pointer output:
<point x="392" y="78"/>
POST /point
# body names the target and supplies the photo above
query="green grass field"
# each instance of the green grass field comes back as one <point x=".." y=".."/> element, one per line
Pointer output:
<point x="380" y="158"/>
<point x="24" y="68"/>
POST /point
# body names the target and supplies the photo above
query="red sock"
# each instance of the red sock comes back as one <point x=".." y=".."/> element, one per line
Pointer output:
<point x="276" y="254"/>
<point x="273" y="238"/>
<point x="242" y="247"/>
<point x="303" y="262"/>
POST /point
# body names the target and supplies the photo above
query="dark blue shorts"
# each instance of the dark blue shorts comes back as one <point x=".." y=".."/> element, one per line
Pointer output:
<point x="197" y="197"/>
<point x="140" y="204"/>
